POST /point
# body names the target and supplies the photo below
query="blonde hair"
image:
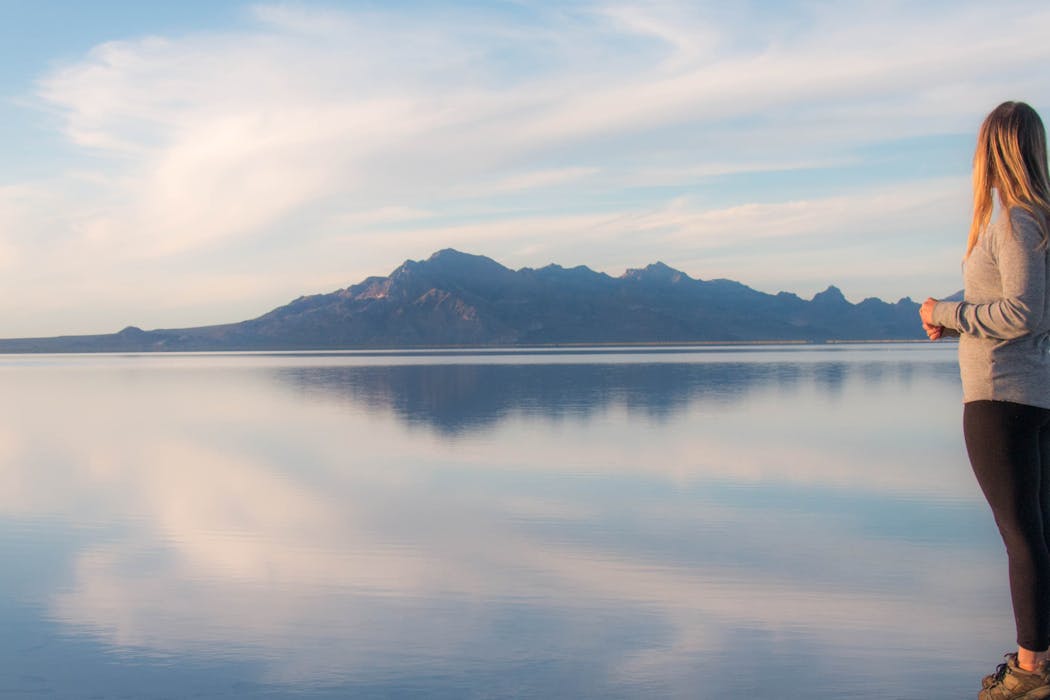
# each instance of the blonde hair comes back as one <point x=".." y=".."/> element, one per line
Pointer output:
<point x="1010" y="158"/>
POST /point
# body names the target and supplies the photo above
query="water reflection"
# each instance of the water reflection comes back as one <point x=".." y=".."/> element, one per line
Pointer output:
<point x="559" y="529"/>
<point x="460" y="398"/>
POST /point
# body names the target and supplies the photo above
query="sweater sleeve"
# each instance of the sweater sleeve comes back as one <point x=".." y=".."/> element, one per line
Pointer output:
<point x="1022" y="268"/>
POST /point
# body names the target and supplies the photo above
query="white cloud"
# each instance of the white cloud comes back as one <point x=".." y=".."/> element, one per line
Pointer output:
<point x="532" y="180"/>
<point x="15" y="211"/>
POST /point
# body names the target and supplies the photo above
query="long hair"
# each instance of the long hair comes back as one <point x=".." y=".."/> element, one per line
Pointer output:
<point x="1011" y="159"/>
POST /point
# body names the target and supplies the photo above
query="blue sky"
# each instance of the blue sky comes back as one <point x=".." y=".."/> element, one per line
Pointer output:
<point x="174" y="164"/>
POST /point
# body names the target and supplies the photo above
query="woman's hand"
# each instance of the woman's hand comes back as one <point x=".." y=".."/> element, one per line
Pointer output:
<point x="933" y="332"/>
<point x="926" y="314"/>
<point x="926" y="311"/>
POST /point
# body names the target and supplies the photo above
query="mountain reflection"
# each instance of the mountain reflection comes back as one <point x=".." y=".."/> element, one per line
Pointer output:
<point x="461" y="398"/>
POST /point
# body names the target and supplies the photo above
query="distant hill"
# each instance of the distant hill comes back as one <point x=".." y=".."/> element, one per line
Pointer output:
<point x="453" y="298"/>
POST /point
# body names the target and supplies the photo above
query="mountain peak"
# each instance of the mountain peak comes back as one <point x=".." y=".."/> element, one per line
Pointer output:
<point x="450" y="259"/>
<point x="446" y="254"/>
<point x="655" y="272"/>
<point x="831" y="295"/>
<point x="449" y="262"/>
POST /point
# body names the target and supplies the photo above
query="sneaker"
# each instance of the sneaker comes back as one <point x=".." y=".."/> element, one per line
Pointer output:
<point x="990" y="680"/>
<point x="1009" y="682"/>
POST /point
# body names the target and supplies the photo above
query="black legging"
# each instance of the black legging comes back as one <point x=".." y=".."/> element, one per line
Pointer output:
<point x="1009" y="448"/>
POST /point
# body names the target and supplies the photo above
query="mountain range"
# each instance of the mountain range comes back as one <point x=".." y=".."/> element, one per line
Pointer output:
<point x="458" y="299"/>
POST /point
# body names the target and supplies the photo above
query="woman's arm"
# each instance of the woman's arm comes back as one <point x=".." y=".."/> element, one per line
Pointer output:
<point x="1022" y="268"/>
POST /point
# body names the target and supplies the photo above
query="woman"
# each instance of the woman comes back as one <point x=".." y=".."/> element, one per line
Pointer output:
<point x="1004" y="358"/>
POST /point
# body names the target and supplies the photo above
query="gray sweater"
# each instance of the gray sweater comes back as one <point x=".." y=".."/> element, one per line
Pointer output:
<point x="1004" y="322"/>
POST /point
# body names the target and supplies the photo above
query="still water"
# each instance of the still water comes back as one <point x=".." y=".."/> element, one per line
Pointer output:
<point x="788" y="522"/>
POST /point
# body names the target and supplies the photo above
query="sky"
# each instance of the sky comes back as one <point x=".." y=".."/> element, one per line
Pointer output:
<point x="179" y="164"/>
